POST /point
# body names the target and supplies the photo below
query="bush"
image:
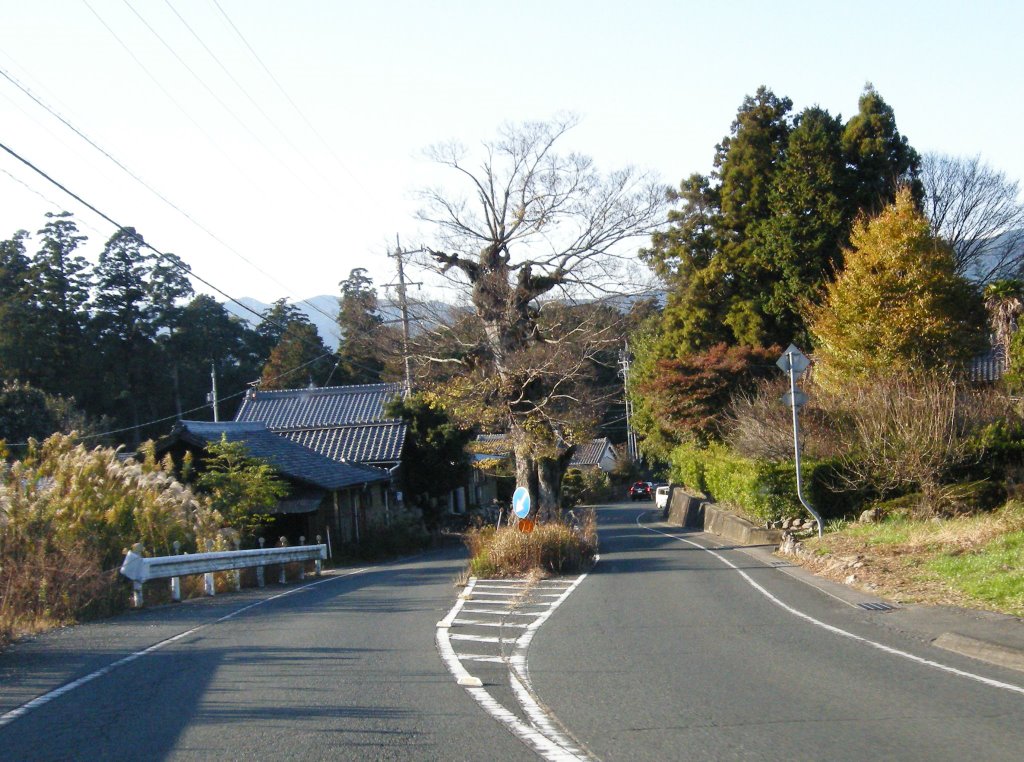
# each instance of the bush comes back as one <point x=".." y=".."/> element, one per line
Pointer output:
<point x="763" y="489"/>
<point x="758" y="424"/>
<point x="378" y="541"/>
<point x="551" y="548"/>
<point x="585" y="486"/>
<point x="919" y="433"/>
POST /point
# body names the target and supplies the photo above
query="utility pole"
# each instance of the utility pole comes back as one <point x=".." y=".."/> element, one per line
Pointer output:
<point x="403" y="303"/>
<point x="631" y="443"/>
<point x="212" y="396"/>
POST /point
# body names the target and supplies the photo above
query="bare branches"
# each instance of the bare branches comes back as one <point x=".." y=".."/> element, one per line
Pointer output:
<point x="977" y="210"/>
<point x="532" y="206"/>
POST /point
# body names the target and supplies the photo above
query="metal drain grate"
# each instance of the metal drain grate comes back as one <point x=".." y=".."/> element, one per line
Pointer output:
<point x="876" y="607"/>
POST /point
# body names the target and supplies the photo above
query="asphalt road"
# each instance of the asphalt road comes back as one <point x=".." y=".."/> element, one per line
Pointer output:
<point x="344" y="669"/>
<point x="665" y="652"/>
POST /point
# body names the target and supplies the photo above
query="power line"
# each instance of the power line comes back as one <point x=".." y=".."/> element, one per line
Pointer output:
<point x="10" y="78"/>
<point x="284" y="92"/>
<point x="163" y="89"/>
<point x="178" y="416"/>
<point x="251" y="99"/>
<point x="241" y="122"/>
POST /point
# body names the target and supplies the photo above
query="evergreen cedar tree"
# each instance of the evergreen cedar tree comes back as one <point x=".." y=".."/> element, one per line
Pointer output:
<point x="768" y="225"/>
<point x="749" y="243"/>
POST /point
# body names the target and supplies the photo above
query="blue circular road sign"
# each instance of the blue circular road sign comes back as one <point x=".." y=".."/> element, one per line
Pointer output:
<point x="521" y="502"/>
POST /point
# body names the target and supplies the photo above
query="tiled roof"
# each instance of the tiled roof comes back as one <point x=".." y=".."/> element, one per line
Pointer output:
<point x="328" y="406"/>
<point x="589" y="453"/>
<point x="379" y="443"/>
<point x="289" y="458"/>
<point x="491" y="446"/>
<point x="989" y="366"/>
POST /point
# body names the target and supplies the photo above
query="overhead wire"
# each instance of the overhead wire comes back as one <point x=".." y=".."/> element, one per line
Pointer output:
<point x="255" y="103"/>
<point x="177" y="264"/>
<point x="170" y="97"/>
<point x="288" y="97"/>
<point x="63" y="120"/>
<point x="202" y="82"/>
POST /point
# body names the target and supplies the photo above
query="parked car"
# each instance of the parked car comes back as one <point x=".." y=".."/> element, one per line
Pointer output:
<point x="640" y="491"/>
<point x="661" y="496"/>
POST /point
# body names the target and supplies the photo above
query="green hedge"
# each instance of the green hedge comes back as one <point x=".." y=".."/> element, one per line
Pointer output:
<point x="762" y="489"/>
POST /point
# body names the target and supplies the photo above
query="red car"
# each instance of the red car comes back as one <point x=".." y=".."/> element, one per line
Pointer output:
<point x="640" y="491"/>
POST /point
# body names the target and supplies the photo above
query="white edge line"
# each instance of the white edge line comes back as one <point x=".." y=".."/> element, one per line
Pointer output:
<point x="8" y="717"/>
<point x="838" y="631"/>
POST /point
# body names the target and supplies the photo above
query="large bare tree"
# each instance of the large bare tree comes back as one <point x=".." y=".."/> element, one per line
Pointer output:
<point x="978" y="211"/>
<point x="534" y="231"/>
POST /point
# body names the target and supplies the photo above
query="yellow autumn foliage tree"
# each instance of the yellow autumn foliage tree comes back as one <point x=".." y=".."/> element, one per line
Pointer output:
<point x="897" y="307"/>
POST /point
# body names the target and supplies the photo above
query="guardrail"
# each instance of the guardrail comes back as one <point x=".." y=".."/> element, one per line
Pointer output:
<point x="140" y="569"/>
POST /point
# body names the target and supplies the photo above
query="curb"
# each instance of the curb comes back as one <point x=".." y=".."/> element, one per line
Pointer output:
<point x="993" y="653"/>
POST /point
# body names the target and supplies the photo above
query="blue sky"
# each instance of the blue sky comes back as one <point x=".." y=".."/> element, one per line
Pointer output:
<point x="303" y="160"/>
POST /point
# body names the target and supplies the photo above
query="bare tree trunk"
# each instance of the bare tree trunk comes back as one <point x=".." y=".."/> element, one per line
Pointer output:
<point x="526" y="476"/>
<point x="549" y="483"/>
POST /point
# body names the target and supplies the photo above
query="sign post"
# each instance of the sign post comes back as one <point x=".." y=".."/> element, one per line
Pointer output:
<point x="795" y="363"/>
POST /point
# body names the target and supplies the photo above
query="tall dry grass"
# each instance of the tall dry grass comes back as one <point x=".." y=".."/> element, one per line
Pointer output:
<point x="67" y="516"/>
<point x="552" y="548"/>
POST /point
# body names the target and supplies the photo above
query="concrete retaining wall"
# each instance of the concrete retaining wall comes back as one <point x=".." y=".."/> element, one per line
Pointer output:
<point x="685" y="510"/>
<point x="738" y="530"/>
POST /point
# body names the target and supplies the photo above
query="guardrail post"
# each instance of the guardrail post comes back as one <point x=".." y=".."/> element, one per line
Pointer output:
<point x="176" y="581"/>
<point x="259" y="569"/>
<point x="211" y="587"/>
<point x="238" y="572"/>
<point x="302" y="566"/>
<point x="282" y="543"/>
<point x="137" y="600"/>
<point x="318" y="562"/>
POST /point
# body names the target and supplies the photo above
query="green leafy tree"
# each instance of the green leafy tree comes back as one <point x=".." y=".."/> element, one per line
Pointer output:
<point x="436" y="452"/>
<point x="1004" y="301"/>
<point x="137" y="295"/>
<point x="801" y="240"/>
<point x="18" y="358"/>
<point x="770" y="223"/>
<point x="275" y="322"/>
<point x="208" y="336"/>
<point x="897" y="306"/>
<point x="27" y="412"/>
<point x="241" y="488"/>
<point x="299" y="359"/>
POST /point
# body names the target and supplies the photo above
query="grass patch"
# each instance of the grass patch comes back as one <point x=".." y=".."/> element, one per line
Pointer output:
<point x="993" y="573"/>
<point x="550" y="549"/>
<point x="975" y="561"/>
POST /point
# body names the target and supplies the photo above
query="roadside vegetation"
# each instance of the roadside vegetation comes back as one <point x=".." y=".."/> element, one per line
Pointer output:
<point x="555" y="547"/>
<point x="840" y="238"/>
<point x="972" y="560"/>
<point x="69" y="513"/>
